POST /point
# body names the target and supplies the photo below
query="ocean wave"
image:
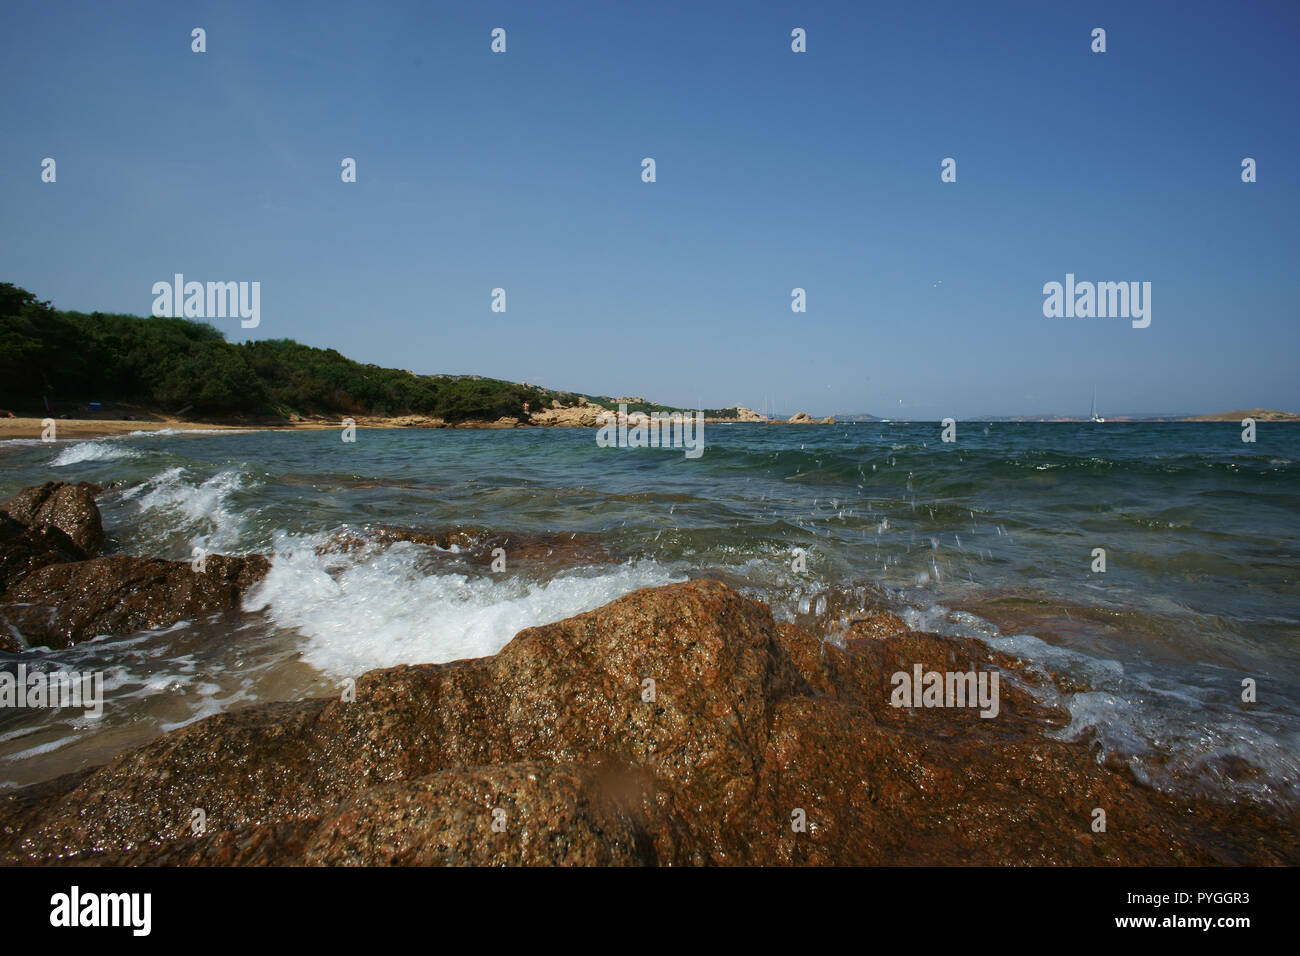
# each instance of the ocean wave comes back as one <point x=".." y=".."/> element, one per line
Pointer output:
<point x="966" y="467"/>
<point x="97" y="450"/>
<point x="381" y="607"/>
<point x="179" y="503"/>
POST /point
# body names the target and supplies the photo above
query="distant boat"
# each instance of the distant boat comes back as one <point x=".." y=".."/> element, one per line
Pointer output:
<point x="1095" y="417"/>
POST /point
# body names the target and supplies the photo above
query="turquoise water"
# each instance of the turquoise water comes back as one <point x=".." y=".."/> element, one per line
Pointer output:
<point x="990" y="535"/>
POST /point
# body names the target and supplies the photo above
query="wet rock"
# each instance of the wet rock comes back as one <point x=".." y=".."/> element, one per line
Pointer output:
<point x="676" y="725"/>
<point x="525" y="813"/>
<point x="18" y="808"/>
<point x="68" y="508"/>
<point x="877" y="623"/>
<point x="23" y="550"/>
<point x="63" y="604"/>
<point x="44" y="525"/>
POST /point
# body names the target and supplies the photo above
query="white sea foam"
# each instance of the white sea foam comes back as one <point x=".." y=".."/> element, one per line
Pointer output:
<point x="382" y="607"/>
<point x="98" y="450"/>
<point x="169" y="432"/>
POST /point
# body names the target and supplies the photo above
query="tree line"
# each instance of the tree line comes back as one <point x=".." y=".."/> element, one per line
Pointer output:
<point x="167" y="364"/>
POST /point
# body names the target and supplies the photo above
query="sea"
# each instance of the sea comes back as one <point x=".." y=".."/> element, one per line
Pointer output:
<point x="1179" y="662"/>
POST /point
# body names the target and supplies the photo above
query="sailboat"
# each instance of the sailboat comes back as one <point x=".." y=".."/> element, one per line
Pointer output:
<point x="1095" y="417"/>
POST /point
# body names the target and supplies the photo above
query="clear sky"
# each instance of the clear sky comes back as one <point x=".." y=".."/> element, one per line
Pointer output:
<point x="775" y="170"/>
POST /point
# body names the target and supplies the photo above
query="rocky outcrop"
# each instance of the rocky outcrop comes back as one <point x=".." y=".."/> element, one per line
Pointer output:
<point x="54" y="591"/>
<point x="743" y="416"/>
<point x="577" y="416"/>
<point x="67" y="508"/>
<point x="412" y="421"/>
<point x="63" y="604"/>
<point x="803" y="418"/>
<point x="676" y="725"/>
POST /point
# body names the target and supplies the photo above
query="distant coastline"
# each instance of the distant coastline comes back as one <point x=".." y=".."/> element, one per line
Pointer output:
<point x="100" y="374"/>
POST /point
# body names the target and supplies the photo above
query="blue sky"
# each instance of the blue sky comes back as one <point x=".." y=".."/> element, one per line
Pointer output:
<point x="776" y="170"/>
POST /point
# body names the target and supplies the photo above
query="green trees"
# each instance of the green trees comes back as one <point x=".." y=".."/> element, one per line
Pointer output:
<point x="168" y="364"/>
<point x="483" y="399"/>
<point x="21" y="319"/>
<point x="213" y="378"/>
<point x="304" y="379"/>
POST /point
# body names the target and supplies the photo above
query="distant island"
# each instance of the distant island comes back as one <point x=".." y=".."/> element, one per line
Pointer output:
<point x="1258" y="414"/>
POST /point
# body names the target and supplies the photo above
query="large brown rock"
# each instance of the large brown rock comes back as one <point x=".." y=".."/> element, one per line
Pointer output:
<point x="448" y="818"/>
<point x="62" y="604"/>
<point x="750" y="725"/>
<point x="68" y="508"/>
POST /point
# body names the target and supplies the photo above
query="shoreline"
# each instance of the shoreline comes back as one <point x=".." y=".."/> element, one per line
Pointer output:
<point x="89" y="429"/>
<point x="93" y="428"/>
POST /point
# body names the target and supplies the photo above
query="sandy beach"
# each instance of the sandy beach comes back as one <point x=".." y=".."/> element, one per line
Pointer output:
<point x="11" y="428"/>
<point x="83" y="428"/>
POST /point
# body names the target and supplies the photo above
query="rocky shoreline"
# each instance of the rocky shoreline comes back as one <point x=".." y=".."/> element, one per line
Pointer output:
<point x="676" y="725"/>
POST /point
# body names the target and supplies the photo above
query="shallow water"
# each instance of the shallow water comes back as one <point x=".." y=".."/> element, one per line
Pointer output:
<point x="991" y="535"/>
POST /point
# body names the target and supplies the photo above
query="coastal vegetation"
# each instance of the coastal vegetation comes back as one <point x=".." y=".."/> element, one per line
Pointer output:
<point x="53" y="359"/>
<point x="61" y="361"/>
